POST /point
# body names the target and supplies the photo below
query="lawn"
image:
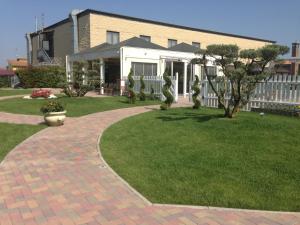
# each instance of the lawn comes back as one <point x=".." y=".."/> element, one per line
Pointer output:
<point x="74" y="106"/>
<point x="196" y="157"/>
<point x="10" y="92"/>
<point x="13" y="134"/>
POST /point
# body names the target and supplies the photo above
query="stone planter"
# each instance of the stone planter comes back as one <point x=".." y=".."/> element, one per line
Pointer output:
<point x="55" y="118"/>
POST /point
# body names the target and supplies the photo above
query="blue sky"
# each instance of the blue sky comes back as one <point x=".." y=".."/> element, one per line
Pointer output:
<point x="269" y="19"/>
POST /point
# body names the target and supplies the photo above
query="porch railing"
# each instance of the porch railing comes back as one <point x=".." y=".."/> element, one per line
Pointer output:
<point x="156" y="82"/>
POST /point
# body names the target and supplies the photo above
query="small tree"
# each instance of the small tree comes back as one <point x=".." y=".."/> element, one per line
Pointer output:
<point x="169" y="99"/>
<point x="196" y="93"/>
<point x="82" y="81"/>
<point x="242" y="70"/>
<point x="142" y="89"/>
<point x="152" y="95"/>
<point x="131" y="93"/>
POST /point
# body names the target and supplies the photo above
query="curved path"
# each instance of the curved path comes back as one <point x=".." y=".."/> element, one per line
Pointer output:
<point x="57" y="177"/>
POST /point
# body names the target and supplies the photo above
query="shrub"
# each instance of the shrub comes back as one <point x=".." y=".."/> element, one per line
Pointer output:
<point x="196" y="93"/>
<point x="40" y="93"/>
<point x="142" y="90"/>
<point x="82" y="81"/>
<point x="131" y="93"/>
<point x="42" y="77"/>
<point x="166" y="91"/>
<point x="4" y="81"/>
<point x="152" y="95"/>
<point x="52" y="106"/>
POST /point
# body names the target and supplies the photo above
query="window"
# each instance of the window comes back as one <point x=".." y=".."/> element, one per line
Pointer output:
<point x="196" y="44"/>
<point x="146" y="38"/>
<point x="112" y="37"/>
<point x="171" y="43"/>
<point x="211" y="70"/>
<point x="146" y="69"/>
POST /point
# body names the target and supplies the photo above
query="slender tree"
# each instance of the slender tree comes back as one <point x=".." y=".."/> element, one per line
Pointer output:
<point x="152" y="96"/>
<point x="242" y="71"/>
<point x="169" y="99"/>
<point x="196" y="93"/>
<point x="131" y="93"/>
<point x="142" y="89"/>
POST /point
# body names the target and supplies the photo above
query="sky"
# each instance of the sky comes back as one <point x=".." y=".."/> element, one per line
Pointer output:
<point x="268" y="19"/>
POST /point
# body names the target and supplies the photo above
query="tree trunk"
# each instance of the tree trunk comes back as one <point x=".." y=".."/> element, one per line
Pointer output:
<point x="231" y="110"/>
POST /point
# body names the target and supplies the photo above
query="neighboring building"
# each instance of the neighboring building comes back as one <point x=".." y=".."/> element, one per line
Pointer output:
<point x="16" y="64"/>
<point x="290" y="66"/>
<point x="89" y="28"/>
<point x="8" y="78"/>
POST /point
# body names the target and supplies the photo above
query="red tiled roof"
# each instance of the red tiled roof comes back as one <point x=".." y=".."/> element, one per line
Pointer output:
<point x="4" y="72"/>
<point x="18" y="62"/>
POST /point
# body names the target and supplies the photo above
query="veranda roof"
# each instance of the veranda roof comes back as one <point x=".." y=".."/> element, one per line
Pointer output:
<point x="184" y="47"/>
<point x="5" y="72"/>
<point x="113" y="51"/>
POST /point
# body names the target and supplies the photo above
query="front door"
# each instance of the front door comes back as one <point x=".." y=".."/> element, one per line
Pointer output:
<point x="178" y="67"/>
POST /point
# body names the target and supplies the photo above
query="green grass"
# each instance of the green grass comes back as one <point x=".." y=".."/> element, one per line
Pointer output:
<point x="196" y="157"/>
<point x="13" y="134"/>
<point x="10" y="92"/>
<point x="75" y="106"/>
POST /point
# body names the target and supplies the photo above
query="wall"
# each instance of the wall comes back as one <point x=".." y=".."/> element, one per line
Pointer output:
<point x="84" y="32"/>
<point x="130" y="54"/>
<point x="159" y="33"/>
<point x="63" y="39"/>
<point x="62" y="42"/>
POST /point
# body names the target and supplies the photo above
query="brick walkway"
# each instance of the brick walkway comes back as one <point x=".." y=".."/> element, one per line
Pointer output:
<point x="57" y="177"/>
<point x="20" y="119"/>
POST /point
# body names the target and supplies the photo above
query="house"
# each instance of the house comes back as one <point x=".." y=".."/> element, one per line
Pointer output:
<point x="17" y="64"/>
<point x="86" y="29"/>
<point x="119" y="43"/>
<point x="290" y="65"/>
<point x="8" y="78"/>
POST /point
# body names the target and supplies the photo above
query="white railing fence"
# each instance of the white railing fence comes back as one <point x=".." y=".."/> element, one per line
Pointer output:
<point x="278" y="89"/>
<point x="157" y="83"/>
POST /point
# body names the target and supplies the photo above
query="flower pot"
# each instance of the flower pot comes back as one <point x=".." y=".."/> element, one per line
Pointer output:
<point x="55" y="118"/>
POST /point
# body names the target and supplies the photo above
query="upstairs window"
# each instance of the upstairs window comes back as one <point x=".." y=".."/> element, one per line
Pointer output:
<point x="196" y="44"/>
<point x="171" y="43"/>
<point x="146" y="38"/>
<point x="112" y="37"/>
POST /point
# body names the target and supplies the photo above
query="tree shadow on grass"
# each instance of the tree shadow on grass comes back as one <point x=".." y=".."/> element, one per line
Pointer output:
<point x="198" y="117"/>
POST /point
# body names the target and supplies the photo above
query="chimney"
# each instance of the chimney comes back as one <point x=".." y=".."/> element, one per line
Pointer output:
<point x="295" y="49"/>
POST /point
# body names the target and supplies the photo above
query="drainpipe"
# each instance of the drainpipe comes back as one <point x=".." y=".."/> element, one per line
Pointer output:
<point x="73" y="16"/>
<point x="29" y="48"/>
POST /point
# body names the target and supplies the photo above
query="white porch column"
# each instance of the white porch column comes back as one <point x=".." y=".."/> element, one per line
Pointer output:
<point x="69" y="66"/>
<point x="185" y="79"/>
<point x="102" y="75"/>
<point x="172" y="69"/>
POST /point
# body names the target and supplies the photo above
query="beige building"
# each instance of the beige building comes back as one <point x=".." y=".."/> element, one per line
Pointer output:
<point x="85" y="29"/>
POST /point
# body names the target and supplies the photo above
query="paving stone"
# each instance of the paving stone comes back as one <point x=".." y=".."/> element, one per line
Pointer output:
<point x="58" y="177"/>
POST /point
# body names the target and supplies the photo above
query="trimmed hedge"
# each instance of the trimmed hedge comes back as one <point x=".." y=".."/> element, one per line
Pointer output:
<point x="42" y="77"/>
<point x="4" y="81"/>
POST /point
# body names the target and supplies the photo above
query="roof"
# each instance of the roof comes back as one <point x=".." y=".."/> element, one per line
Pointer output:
<point x="112" y="51"/>
<point x="91" y="11"/>
<point x="184" y="47"/>
<point x="138" y="43"/>
<point x="20" y="62"/>
<point x="96" y="48"/>
<point x="5" y="72"/>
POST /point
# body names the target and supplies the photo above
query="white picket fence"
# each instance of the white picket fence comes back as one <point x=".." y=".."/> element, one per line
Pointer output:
<point x="279" y="89"/>
<point x="156" y="82"/>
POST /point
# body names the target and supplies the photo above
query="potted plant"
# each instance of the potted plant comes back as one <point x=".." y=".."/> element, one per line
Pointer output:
<point x="54" y="113"/>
